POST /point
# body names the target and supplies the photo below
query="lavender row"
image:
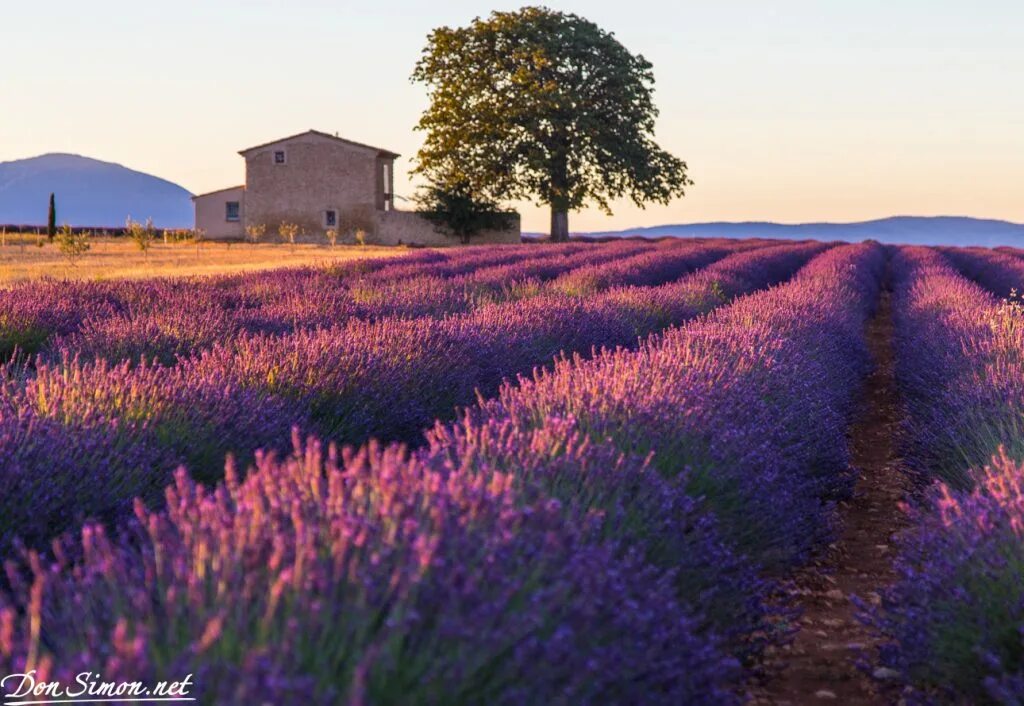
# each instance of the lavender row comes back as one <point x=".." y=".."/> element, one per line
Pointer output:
<point x="167" y="318"/>
<point x="115" y="420"/>
<point x="390" y="379"/>
<point x="371" y="578"/>
<point x="749" y="405"/>
<point x="457" y="262"/>
<point x="31" y="313"/>
<point x="497" y="277"/>
<point x="201" y="320"/>
<point x="645" y="268"/>
<point x="999" y="272"/>
<point x="707" y="411"/>
<point x="602" y="268"/>
<point x="717" y="413"/>
<point x="514" y="559"/>
<point x="446" y="263"/>
<point x="954" y="619"/>
<point x="953" y="339"/>
<point x="467" y="262"/>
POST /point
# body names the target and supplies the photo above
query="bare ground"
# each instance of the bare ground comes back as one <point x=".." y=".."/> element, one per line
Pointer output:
<point x="821" y="666"/>
<point x="22" y="258"/>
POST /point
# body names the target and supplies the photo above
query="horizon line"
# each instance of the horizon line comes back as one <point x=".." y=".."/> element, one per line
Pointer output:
<point x="808" y="223"/>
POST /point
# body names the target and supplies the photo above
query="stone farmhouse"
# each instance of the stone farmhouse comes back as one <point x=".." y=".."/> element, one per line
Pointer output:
<point x="322" y="182"/>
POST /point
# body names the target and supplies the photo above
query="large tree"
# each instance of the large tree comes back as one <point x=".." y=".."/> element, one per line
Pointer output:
<point x="545" y="105"/>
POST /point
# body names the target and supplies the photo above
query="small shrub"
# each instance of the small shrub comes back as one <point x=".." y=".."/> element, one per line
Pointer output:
<point x="72" y="245"/>
<point x="143" y="235"/>
<point x="288" y="231"/>
<point x="351" y="222"/>
<point x="456" y="210"/>
<point x="177" y="235"/>
<point x="255" y="232"/>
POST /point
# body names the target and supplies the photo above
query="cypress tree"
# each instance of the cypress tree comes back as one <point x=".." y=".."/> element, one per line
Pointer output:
<point x="51" y="219"/>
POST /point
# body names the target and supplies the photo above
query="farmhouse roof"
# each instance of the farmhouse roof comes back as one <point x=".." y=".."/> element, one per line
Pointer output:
<point x="211" y="193"/>
<point x="379" y="150"/>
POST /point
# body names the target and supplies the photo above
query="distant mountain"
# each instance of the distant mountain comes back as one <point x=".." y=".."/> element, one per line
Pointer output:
<point x="88" y="193"/>
<point x="939" y="230"/>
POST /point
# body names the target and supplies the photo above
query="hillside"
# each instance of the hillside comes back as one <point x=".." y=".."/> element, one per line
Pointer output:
<point x="940" y="230"/>
<point x="88" y="193"/>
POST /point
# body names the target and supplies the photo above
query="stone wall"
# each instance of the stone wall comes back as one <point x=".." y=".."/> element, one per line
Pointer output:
<point x="410" y="228"/>
<point x="319" y="174"/>
<point x="211" y="212"/>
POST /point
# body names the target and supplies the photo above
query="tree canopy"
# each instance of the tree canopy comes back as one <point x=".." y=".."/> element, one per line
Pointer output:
<point x="540" y="104"/>
<point x="454" y="210"/>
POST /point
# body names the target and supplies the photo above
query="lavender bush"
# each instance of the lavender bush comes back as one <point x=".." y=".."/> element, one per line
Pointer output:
<point x="391" y="378"/>
<point x="749" y="403"/>
<point x="955" y="616"/>
<point x="600" y="532"/>
<point x="373" y="578"/>
<point x="954" y="620"/>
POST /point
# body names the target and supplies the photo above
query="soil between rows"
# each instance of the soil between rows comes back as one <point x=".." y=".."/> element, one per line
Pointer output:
<point x="824" y="662"/>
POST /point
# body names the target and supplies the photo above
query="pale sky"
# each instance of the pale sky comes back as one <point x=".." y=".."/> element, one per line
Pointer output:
<point x="788" y="110"/>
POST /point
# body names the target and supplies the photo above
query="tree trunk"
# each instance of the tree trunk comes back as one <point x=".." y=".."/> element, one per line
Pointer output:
<point x="559" y="196"/>
<point x="559" y="225"/>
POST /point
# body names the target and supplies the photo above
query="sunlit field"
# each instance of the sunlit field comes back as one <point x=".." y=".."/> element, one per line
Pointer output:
<point x="678" y="472"/>
<point x="28" y="257"/>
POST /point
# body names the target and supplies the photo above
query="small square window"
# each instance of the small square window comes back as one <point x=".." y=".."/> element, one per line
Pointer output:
<point x="232" y="211"/>
<point x="330" y="218"/>
<point x="279" y="157"/>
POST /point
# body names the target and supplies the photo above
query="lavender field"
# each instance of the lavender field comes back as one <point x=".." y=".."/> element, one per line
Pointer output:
<point x="622" y="473"/>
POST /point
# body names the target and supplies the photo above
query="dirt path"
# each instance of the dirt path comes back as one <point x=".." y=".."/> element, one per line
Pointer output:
<point x="821" y="665"/>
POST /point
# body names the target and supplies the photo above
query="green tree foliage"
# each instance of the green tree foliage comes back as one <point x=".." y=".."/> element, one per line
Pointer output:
<point x="287" y="232"/>
<point x="255" y="232"/>
<point x="51" y="218"/>
<point x="546" y="105"/>
<point x="455" y="210"/>
<point x="72" y="245"/>
<point x="143" y="235"/>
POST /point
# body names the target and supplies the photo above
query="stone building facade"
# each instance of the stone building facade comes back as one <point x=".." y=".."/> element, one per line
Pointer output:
<point x="320" y="182"/>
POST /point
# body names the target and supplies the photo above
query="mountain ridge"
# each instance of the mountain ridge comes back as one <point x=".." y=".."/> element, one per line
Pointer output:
<point x="89" y="192"/>
<point x="910" y="230"/>
<point x="96" y="193"/>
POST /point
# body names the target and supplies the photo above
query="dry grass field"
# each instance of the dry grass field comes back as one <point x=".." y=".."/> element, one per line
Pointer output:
<point x="23" y="258"/>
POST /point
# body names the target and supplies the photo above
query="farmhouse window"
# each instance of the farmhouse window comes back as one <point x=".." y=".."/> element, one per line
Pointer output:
<point x="231" y="211"/>
<point x="279" y="157"/>
<point x="330" y="218"/>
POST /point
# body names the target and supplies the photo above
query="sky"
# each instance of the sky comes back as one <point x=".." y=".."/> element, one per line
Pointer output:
<point x="790" y="111"/>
